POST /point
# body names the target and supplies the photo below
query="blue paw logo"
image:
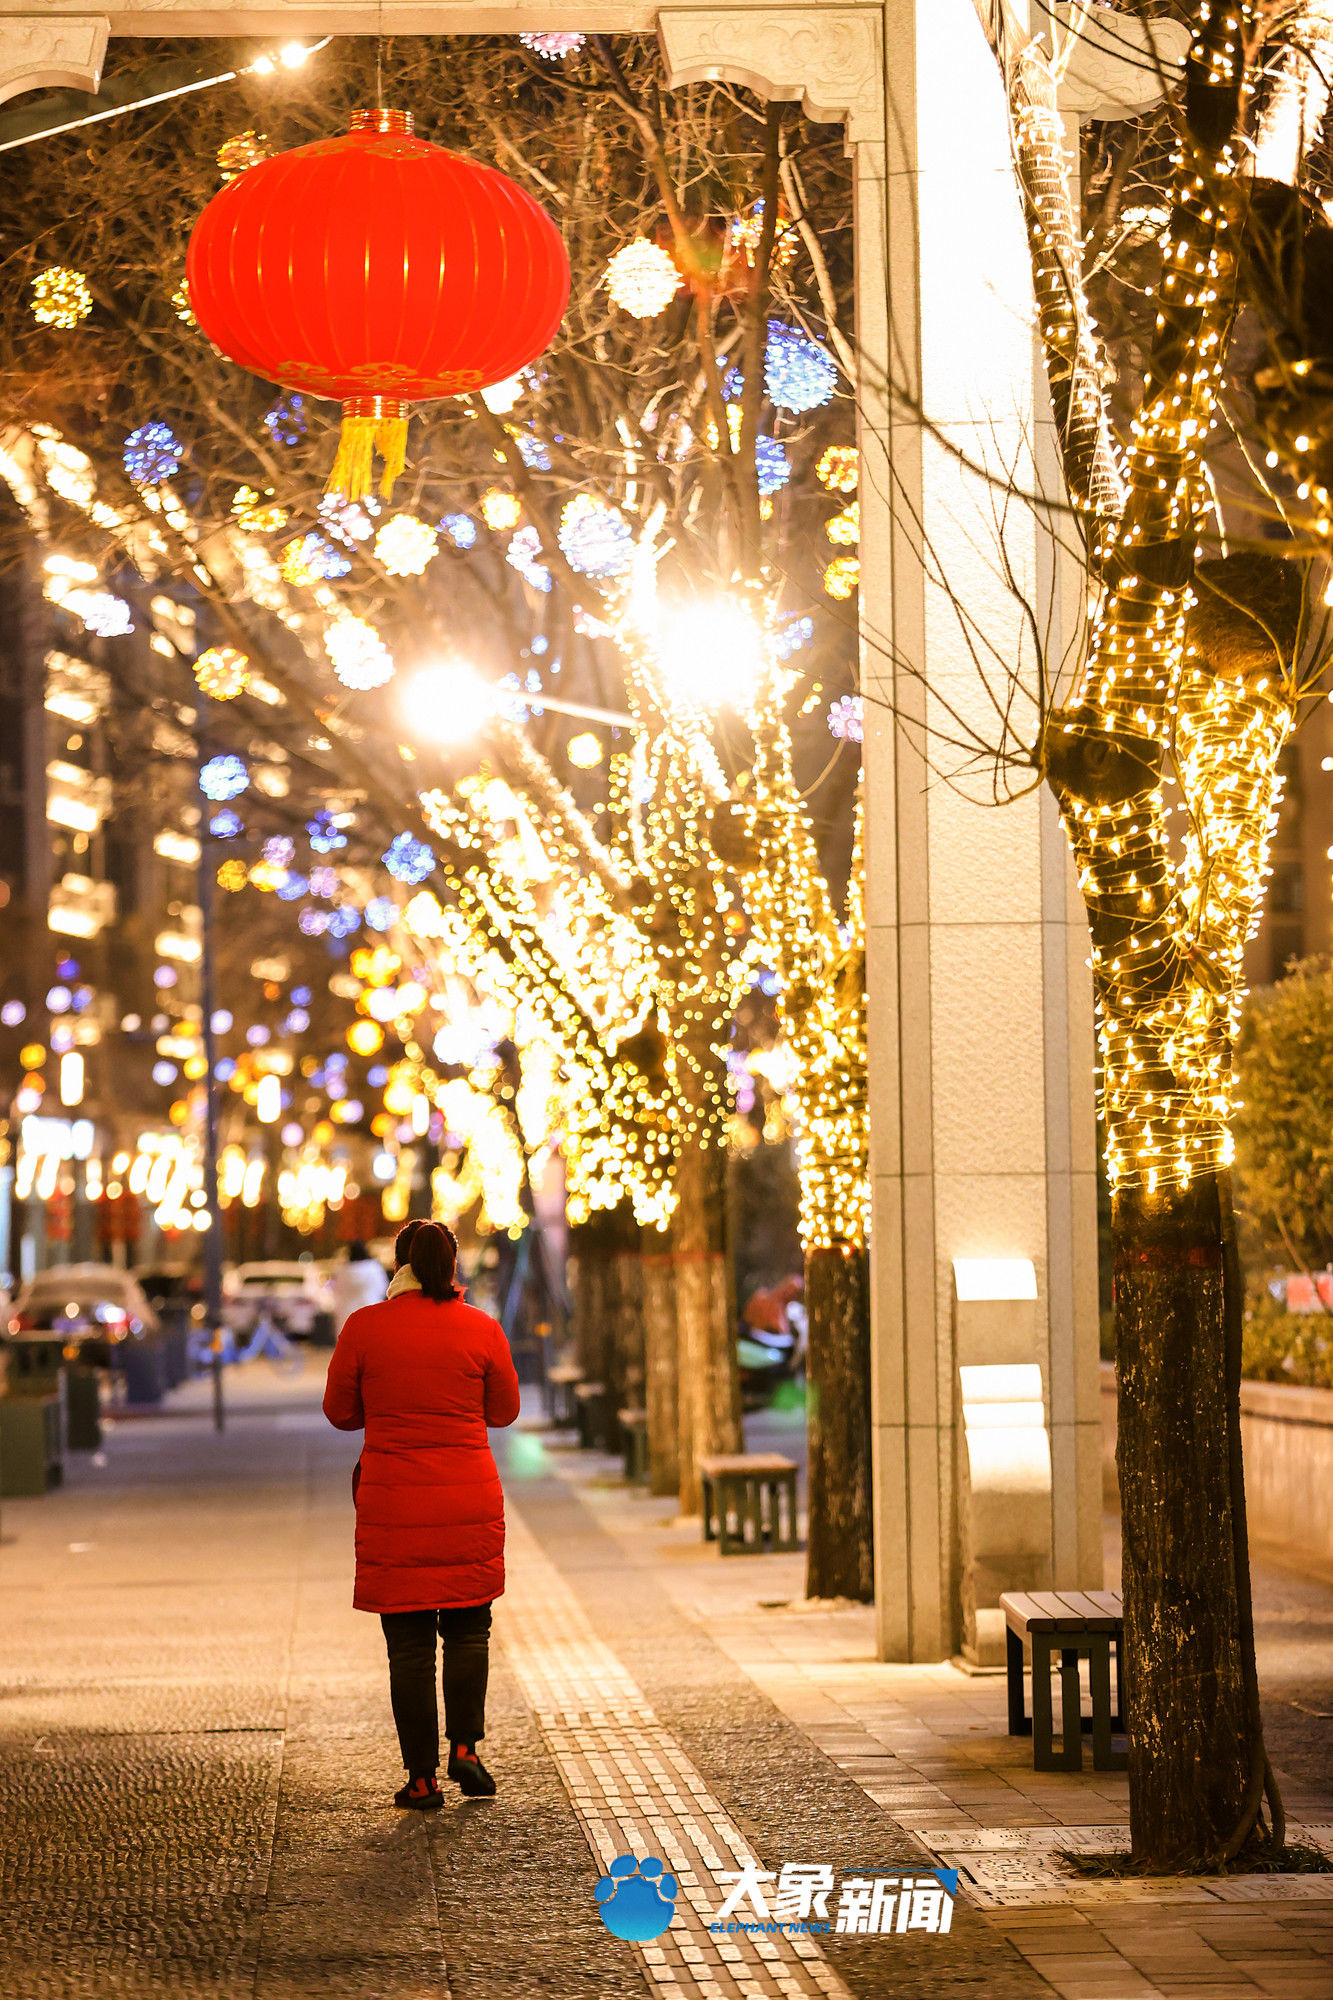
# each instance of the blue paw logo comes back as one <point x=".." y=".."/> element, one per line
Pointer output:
<point x="637" y="1900"/>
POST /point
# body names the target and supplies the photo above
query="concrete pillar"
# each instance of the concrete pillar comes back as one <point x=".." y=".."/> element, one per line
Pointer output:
<point x="980" y="1014"/>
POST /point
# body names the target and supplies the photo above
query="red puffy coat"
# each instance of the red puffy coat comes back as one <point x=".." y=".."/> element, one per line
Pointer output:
<point x="425" y="1379"/>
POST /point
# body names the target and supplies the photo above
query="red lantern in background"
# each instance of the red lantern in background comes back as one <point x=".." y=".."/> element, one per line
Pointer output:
<point x="376" y="269"/>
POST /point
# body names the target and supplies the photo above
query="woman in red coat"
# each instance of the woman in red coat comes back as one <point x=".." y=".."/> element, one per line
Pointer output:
<point x="425" y="1374"/>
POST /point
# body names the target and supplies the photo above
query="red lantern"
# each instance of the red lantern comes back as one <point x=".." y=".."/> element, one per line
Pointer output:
<point x="374" y="268"/>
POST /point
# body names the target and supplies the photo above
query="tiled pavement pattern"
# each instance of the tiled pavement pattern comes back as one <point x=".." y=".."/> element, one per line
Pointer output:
<point x="929" y="1745"/>
<point x="635" y="1791"/>
<point x="195" y="1756"/>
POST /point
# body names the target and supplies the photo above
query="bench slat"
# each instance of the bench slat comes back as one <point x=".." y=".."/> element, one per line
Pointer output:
<point x="1087" y="1611"/>
<point x="751" y="1464"/>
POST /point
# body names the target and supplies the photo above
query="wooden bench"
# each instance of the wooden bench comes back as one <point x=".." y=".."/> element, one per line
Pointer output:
<point x="1073" y="1623"/>
<point x="634" y="1439"/>
<point x="756" y="1489"/>
<point x="561" y="1381"/>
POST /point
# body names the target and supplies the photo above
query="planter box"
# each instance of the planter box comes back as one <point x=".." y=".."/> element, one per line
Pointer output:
<point x="1288" y="1441"/>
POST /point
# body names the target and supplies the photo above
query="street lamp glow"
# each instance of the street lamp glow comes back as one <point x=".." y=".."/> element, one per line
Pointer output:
<point x="712" y="653"/>
<point x="447" y="702"/>
<point x="71" y="1078"/>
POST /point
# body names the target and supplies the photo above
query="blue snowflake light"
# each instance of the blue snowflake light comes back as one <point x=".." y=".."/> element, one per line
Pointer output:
<point x="226" y="825"/>
<point x="313" y="922"/>
<point x="798" y="373"/>
<point x="381" y="913"/>
<point x="408" y="859"/>
<point x="318" y="555"/>
<point x="324" y="883"/>
<point x="279" y="851"/>
<point x="325" y="837"/>
<point x="846" y="719"/>
<point x="797" y="632"/>
<point x="224" y="777"/>
<point x="772" y="464"/>
<point x="343" y="921"/>
<point x="531" y="450"/>
<point x="594" y="538"/>
<point x="285" y="422"/>
<point x="461" y="530"/>
<point x="152" y="454"/>
<point x="292" y="887"/>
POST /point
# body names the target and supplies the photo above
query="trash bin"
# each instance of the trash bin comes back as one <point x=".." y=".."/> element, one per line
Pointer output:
<point x="145" y="1374"/>
<point x="31" y="1458"/>
<point x="83" y="1422"/>
<point x="176" y="1352"/>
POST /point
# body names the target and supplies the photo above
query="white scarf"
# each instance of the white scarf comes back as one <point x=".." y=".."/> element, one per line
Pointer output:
<point x="403" y="1280"/>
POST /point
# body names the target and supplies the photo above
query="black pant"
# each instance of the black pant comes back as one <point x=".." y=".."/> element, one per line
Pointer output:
<point x="410" y="1637"/>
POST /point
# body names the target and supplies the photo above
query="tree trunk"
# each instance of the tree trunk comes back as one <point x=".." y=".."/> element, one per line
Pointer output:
<point x="607" y="1328"/>
<point x="709" y="1380"/>
<point x="659" y="1368"/>
<point x="1194" y="1744"/>
<point x="839" y="1541"/>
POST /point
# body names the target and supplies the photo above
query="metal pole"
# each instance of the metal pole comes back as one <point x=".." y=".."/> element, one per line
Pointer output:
<point x="213" y="1235"/>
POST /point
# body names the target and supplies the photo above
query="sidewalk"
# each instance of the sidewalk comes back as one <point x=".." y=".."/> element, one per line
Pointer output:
<point x="196" y="1757"/>
<point x="929" y="1746"/>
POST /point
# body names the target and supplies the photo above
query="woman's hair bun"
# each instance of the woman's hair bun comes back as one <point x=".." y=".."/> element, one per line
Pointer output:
<point x="433" y="1257"/>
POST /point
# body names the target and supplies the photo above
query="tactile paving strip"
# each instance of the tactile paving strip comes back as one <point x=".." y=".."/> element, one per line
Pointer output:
<point x="635" y="1791"/>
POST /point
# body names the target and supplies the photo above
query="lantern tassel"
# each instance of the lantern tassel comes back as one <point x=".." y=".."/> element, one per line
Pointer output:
<point x="367" y="427"/>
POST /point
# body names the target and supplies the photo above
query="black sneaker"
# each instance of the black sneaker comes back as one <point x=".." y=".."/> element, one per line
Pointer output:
<point x="422" y="1794"/>
<point x="469" y="1773"/>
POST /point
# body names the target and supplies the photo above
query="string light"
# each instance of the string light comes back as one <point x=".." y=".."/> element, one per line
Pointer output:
<point x="102" y="613"/>
<point x="60" y="297"/>
<point x="232" y="875"/>
<point x="642" y="279"/>
<point x="744" y="231"/>
<point x="405" y="545"/>
<point x="182" y="306"/>
<point x="584" y="751"/>
<point x="222" y="672"/>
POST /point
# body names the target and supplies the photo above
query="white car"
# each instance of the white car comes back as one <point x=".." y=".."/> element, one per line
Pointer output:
<point x="291" y="1295"/>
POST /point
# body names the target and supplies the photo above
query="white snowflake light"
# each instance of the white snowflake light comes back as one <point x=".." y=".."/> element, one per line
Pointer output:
<point x="641" y="279"/>
<point x="594" y="538"/>
<point x="360" y="657"/>
<point x="405" y="545"/>
<point x="551" y="48"/>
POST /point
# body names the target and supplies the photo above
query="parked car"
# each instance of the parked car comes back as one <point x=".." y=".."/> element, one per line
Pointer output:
<point x="90" y="1308"/>
<point x="173" y="1290"/>
<point x="290" y="1294"/>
